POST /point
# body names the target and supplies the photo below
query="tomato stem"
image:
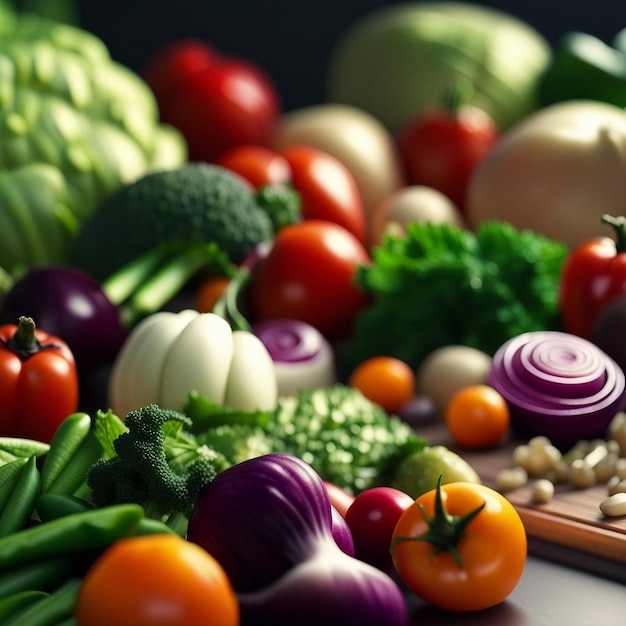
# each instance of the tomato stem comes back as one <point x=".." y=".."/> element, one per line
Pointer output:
<point x="445" y="531"/>
<point x="619" y="226"/>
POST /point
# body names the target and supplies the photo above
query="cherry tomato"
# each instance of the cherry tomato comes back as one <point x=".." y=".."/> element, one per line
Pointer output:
<point x="39" y="384"/>
<point x="475" y="557"/>
<point x="327" y="189"/>
<point x="209" y="292"/>
<point x="339" y="498"/>
<point x="258" y="165"/>
<point x="308" y="275"/>
<point x="217" y="102"/>
<point x="441" y="148"/>
<point x="477" y="417"/>
<point x="385" y="380"/>
<point x="372" y="518"/>
<point x="156" y="579"/>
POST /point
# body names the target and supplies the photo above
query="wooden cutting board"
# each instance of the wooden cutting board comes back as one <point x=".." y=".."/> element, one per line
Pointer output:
<point x="572" y="519"/>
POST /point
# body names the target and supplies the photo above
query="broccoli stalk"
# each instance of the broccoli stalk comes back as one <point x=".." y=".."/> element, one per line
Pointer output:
<point x="159" y="464"/>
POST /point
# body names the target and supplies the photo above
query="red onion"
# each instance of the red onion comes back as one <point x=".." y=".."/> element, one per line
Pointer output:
<point x="558" y="385"/>
<point x="269" y="523"/>
<point x="303" y="357"/>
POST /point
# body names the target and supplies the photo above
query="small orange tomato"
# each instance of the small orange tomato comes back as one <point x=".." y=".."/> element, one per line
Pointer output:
<point x="477" y="417"/>
<point x="385" y="380"/>
<point x="209" y="292"/>
<point x="461" y="547"/>
<point x="156" y="579"/>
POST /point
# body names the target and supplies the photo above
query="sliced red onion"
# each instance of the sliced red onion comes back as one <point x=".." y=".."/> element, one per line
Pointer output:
<point x="303" y="357"/>
<point x="558" y="385"/>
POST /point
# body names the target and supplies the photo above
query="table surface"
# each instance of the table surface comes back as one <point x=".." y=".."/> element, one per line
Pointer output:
<point x="548" y="594"/>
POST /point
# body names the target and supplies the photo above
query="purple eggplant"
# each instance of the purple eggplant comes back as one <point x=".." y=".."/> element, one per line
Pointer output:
<point x="70" y="304"/>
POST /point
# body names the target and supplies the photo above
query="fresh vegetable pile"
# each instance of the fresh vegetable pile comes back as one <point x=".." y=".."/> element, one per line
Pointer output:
<point x="223" y="325"/>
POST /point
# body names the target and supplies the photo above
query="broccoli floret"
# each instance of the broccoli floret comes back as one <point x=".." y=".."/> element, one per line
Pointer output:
<point x="158" y="463"/>
<point x="196" y="202"/>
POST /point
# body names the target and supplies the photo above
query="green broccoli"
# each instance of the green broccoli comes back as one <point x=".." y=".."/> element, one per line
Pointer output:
<point x="197" y="202"/>
<point x="157" y="464"/>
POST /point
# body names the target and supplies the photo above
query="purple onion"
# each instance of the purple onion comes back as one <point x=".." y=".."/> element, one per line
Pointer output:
<point x="303" y="357"/>
<point x="558" y="385"/>
<point x="269" y="522"/>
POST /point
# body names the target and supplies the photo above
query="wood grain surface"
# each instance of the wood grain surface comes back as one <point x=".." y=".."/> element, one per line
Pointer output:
<point x="572" y="519"/>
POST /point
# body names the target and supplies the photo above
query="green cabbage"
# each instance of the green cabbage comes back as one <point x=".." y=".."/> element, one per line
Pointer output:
<point x="401" y="59"/>
<point x="74" y="126"/>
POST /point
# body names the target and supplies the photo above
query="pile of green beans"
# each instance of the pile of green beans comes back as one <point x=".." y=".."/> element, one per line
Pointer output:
<point x="50" y="532"/>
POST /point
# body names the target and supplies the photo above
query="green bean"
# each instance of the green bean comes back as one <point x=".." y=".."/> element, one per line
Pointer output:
<point x="18" y="446"/>
<point x="9" y="475"/>
<point x="66" y="443"/>
<point x="21" y="503"/>
<point x="70" y="534"/>
<point x="43" y="575"/>
<point x="150" y="526"/>
<point x="50" y="610"/>
<point x="50" y="506"/>
<point x="17" y="602"/>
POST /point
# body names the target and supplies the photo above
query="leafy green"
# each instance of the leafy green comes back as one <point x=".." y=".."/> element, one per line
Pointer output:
<point x="347" y="439"/>
<point x="442" y="285"/>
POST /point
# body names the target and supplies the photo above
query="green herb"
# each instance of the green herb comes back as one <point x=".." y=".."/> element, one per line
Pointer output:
<point x="442" y="285"/>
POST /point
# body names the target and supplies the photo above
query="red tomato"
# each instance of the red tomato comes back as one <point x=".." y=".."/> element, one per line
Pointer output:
<point x="156" y="579"/>
<point x="258" y="165"/>
<point x="440" y="149"/>
<point x="308" y="275"/>
<point x="372" y="518"/>
<point x="461" y="548"/>
<point x="217" y="102"/>
<point x="593" y="275"/>
<point x="327" y="189"/>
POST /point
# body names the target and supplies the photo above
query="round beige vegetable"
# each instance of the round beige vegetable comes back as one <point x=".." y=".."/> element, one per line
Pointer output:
<point x="450" y="368"/>
<point x="416" y="203"/>
<point x="556" y="173"/>
<point x="354" y="137"/>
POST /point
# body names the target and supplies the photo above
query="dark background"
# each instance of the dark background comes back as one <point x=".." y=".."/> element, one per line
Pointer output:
<point x="292" y="39"/>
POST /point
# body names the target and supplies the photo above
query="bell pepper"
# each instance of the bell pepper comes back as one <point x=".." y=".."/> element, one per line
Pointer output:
<point x="168" y="355"/>
<point x="592" y="275"/>
<point x="585" y="67"/>
<point x="39" y="384"/>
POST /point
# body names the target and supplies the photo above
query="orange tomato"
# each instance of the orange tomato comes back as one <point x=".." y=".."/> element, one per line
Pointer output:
<point x="385" y="380"/>
<point x="458" y="556"/>
<point x="156" y="579"/>
<point x="209" y="292"/>
<point x="477" y="417"/>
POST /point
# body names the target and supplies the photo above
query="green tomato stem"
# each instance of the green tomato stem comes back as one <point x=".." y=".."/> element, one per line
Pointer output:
<point x="619" y="226"/>
<point x="445" y="531"/>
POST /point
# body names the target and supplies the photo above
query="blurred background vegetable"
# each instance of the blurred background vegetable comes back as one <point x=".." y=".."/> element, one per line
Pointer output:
<point x="73" y="134"/>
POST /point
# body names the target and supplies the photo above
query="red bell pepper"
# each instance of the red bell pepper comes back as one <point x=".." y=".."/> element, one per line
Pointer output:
<point x="39" y="384"/>
<point x="593" y="274"/>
